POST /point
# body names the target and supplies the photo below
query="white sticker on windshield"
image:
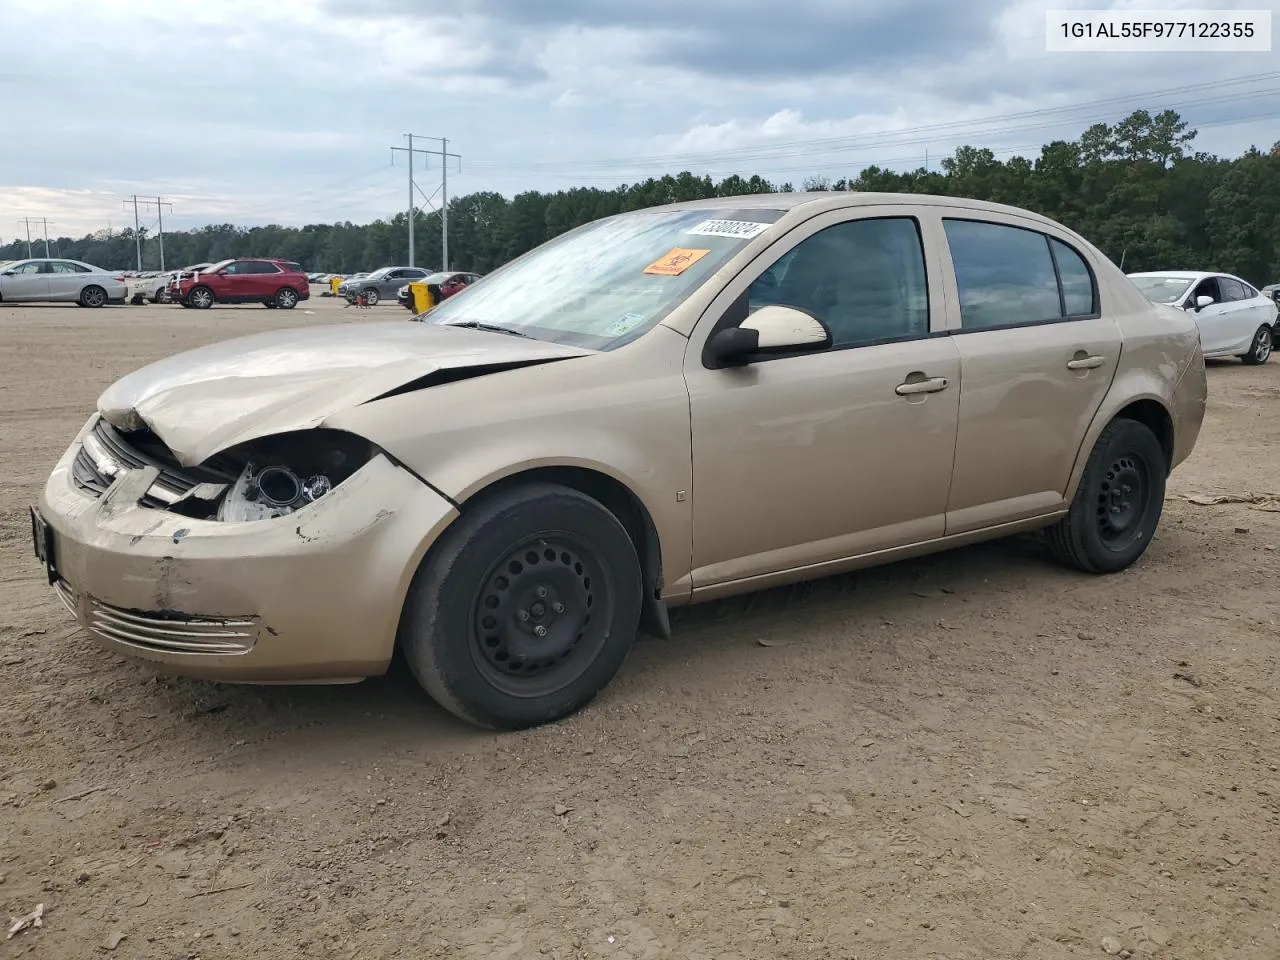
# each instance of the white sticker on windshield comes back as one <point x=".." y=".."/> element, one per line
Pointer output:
<point x="624" y="323"/>
<point x="737" y="229"/>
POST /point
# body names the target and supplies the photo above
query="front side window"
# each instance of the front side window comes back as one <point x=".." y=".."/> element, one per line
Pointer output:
<point x="1232" y="289"/>
<point x="1207" y="288"/>
<point x="27" y="268"/>
<point x="1011" y="276"/>
<point x="606" y="283"/>
<point x="864" y="279"/>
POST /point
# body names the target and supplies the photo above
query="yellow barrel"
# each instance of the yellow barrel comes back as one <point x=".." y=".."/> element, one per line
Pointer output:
<point x="421" y="297"/>
<point x="334" y="284"/>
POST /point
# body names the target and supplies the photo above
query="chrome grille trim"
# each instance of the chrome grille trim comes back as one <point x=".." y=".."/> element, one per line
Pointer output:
<point x="66" y="596"/>
<point x="172" y="633"/>
<point x="104" y="454"/>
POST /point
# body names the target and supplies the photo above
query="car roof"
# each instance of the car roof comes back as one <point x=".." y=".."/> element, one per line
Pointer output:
<point x="838" y="199"/>
<point x="1180" y="274"/>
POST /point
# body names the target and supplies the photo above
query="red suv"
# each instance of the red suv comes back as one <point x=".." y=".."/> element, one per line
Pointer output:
<point x="273" y="283"/>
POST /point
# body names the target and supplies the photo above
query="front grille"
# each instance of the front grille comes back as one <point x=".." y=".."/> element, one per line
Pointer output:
<point x="105" y="453"/>
<point x="171" y="632"/>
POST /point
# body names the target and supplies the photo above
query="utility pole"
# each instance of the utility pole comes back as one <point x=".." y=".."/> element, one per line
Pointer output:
<point x="159" y="203"/>
<point x="444" y="155"/>
<point x="45" y="224"/>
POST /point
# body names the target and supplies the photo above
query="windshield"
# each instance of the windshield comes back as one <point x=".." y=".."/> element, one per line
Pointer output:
<point x="437" y="277"/>
<point x="608" y="282"/>
<point x="1162" y="289"/>
<point x="377" y="274"/>
<point x="214" y="267"/>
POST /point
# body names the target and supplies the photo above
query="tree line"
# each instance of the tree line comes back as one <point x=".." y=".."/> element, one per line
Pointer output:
<point x="1136" y="189"/>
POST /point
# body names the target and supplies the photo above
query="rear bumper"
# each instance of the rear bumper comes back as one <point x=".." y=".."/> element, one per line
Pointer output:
<point x="1190" y="400"/>
<point x="315" y="596"/>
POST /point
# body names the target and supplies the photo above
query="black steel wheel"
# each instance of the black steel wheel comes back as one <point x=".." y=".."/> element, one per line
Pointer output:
<point x="525" y="608"/>
<point x="1118" y="503"/>
<point x="532" y="618"/>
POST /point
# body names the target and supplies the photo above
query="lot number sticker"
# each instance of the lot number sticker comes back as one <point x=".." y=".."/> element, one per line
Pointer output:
<point x="676" y="262"/>
<point x="737" y="229"/>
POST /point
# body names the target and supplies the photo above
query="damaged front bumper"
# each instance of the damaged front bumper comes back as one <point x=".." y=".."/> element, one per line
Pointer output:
<point x="312" y="596"/>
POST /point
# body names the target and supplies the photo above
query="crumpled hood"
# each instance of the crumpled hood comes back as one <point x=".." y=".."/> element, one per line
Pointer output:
<point x="215" y="397"/>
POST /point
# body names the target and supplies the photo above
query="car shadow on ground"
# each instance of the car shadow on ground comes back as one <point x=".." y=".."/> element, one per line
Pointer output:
<point x="371" y="715"/>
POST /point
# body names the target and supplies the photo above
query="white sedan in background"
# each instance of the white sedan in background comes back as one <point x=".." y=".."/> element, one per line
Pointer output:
<point x="56" y="280"/>
<point x="1234" y="318"/>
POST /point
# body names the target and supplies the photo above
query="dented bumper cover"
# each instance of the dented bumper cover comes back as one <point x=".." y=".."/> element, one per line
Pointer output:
<point x="313" y="596"/>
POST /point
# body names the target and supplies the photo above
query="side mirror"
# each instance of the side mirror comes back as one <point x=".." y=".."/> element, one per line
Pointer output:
<point x="770" y="330"/>
<point x="1203" y="301"/>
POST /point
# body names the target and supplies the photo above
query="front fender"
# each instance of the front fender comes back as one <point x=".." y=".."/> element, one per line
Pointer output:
<point x="624" y="415"/>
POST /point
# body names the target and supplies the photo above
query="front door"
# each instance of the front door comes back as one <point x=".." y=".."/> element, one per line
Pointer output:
<point x="27" y="281"/>
<point x="1037" y="357"/>
<point x="805" y="460"/>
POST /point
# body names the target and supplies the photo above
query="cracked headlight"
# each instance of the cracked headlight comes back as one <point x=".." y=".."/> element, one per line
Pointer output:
<point x="284" y="473"/>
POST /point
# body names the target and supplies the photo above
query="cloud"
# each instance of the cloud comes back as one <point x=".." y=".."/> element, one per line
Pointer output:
<point x="248" y="112"/>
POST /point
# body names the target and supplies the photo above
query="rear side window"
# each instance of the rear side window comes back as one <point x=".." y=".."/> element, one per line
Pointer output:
<point x="1011" y="276"/>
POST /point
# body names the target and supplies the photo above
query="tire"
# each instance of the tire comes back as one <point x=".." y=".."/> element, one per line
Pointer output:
<point x="93" y="296"/>
<point x="371" y="297"/>
<point x="1118" y="505"/>
<point x="200" y="298"/>
<point x="496" y="576"/>
<point x="1260" y="349"/>
<point x="162" y="296"/>
<point x="286" y="298"/>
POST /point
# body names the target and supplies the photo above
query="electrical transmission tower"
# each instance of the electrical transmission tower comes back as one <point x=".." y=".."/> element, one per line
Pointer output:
<point x="159" y="203"/>
<point x="44" y="223"/>
<point x="444" y="155"/>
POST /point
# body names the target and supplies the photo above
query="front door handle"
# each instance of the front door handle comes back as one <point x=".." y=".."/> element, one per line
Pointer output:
<point x="931" y="385"/>
<point x="1086" y="363"/>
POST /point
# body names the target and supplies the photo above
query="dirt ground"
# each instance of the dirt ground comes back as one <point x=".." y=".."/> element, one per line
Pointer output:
<point x="975" y="755"/>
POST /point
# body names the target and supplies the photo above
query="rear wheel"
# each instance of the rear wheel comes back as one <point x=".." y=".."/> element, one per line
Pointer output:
<point x="1119" y="502"/>
<point x="1260" y="349"/>
<point x="286" y="298"/>
<point x="93" y="296"/>
<point x="525" y="609"/>
<point x="201" y="298"/>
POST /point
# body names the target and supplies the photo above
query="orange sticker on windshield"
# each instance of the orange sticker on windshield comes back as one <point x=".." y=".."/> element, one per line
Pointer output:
<point x="676" y="262"/>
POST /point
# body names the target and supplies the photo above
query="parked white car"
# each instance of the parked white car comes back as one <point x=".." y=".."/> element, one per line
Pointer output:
<point x="56" y="280"/>
<point x="1235" y="319"/>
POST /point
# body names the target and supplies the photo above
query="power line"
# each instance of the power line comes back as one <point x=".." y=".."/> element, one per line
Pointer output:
<point x="934" y="131"/>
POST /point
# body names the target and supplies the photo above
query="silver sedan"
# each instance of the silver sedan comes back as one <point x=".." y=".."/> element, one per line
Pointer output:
<point x="26" y="281"/>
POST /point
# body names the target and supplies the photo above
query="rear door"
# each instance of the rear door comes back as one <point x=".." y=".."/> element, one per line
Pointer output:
<point x="265" y="278"/>
<point x="1037" y="356"/>
<point x="66" y="280"/>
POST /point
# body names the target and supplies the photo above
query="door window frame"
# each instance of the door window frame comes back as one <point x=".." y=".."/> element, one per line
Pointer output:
<point x="1041" y="230"/>
<point x="728" y="307"/>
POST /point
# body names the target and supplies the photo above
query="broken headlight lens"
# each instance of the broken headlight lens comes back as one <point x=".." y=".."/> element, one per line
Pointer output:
<point x="286" y="472"/>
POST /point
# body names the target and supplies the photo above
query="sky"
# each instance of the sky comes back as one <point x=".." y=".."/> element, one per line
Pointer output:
<point x="285" y="112"/>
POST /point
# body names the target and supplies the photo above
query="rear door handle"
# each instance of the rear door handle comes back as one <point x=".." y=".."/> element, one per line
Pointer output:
<point x="932" y="385"/>
<point x="1086" y="363"/>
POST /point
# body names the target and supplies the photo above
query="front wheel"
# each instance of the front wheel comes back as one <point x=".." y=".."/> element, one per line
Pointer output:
<point x="201" y="298"/>
<point x="1119" y="502"/>
<point x="525" y="609"/>
<point x="286" y="298"/>
<point x="371" y="297"/>
<point x="93" y="296"/>
<point x="1260" y="349"/>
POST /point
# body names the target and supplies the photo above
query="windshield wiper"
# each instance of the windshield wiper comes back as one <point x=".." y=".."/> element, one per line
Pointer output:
<point x="491" y="327"/>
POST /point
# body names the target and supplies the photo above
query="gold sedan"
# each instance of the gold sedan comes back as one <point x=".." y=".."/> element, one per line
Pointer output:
<point x="662" y="407"/>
